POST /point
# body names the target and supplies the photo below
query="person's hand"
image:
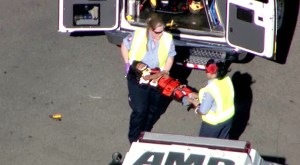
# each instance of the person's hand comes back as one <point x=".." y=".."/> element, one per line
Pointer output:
<point x="127" y="66"/>
<point x="185" y="101"/>
<point x="193" y="95"/>
<point x="191" y="103"/>
<point x="194" y="102"/>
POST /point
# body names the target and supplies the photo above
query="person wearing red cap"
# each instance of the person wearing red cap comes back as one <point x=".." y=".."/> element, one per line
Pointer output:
<point x="215" y="102"/>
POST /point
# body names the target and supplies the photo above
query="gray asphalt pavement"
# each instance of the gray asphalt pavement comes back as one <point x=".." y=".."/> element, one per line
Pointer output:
<point x="43" y="72"/>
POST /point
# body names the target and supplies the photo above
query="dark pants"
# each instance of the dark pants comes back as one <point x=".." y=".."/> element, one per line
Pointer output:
<point x="220" y="130"/>
<point x="147" y="104"/>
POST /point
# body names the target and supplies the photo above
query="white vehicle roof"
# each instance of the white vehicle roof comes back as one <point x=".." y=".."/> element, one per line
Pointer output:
<point x="156" y="148"/>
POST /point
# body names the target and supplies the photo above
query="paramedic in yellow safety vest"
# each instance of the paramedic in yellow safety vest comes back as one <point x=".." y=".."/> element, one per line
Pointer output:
<point x="215" y="102"/>
<point x="154" y="47"/>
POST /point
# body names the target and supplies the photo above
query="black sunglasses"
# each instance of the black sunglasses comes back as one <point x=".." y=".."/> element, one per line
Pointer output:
<point x="157" y="32"/>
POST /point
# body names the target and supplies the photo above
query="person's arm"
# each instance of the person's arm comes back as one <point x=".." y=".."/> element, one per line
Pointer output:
<point x="168" y="64"/>
<point x="206" y="104"/>
<point x="125" y="46"/>
<point x="193" y="95"/>
<point x="154" y="76"/>
<point x="193" y="99"/>
<point x="124" y="53"/>
<point x="171" y="54"/>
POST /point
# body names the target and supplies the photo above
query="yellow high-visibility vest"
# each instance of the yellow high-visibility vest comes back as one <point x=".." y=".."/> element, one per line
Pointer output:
<point x="139" y="43"/>
<point x="223" y="93"/>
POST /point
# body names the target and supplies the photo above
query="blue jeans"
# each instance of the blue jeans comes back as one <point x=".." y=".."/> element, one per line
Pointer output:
<point x="147" y="104"/>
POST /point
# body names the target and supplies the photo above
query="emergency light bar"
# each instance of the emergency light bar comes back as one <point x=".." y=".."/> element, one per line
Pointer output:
<point x="224" y="144"/>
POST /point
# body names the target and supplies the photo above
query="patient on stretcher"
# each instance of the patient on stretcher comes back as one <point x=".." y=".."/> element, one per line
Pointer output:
<point x="167" y="85"/>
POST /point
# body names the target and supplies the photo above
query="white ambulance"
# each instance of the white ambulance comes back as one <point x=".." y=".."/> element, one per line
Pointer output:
<point x="168" y="149"/>
<point x="225" y="30"/>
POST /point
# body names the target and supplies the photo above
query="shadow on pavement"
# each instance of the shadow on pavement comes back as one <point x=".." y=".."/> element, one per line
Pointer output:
<point x="242" y="101"/>
<point x="180" y="72"/>
<point x="286" y="32"/>
<point x="272" y="159"/>
<point x="87" y="34"/>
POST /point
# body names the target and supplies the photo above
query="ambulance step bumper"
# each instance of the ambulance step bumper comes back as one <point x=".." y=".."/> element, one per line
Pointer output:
<point x="198" y="57"/>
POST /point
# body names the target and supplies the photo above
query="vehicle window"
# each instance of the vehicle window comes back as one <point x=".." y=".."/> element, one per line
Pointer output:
<point x="245" y="14"/>
<point x="86" y="14"/>
<point x="263" y="1"/>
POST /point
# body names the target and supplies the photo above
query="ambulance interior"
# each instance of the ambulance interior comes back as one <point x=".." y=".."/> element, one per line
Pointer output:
<point x="197" y="17"/>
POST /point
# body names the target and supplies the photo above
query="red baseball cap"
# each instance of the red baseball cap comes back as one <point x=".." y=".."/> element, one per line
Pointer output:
<point x="211" y="68"/>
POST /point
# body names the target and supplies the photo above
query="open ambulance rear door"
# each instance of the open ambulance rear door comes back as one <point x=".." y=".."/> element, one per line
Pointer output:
<point x="251" y="26"/>
<point x="88" y="15"/>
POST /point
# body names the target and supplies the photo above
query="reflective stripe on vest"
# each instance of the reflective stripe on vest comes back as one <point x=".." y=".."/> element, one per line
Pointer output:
<point x="223" y="93"/>
<point x="139" y="43"/>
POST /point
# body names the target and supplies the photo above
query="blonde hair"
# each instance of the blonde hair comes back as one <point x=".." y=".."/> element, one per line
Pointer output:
<point x="152" y="23"/>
